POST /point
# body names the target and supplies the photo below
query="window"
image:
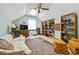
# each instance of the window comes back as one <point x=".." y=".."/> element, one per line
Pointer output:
<point x="31" y="24"/>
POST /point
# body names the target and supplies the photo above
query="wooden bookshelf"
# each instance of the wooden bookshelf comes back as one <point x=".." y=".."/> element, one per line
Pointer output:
<point x="68" y="26"/>
<point x="48" y="27"/>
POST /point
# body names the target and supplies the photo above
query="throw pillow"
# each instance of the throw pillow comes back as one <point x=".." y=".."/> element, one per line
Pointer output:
<point x="15" y="34"/>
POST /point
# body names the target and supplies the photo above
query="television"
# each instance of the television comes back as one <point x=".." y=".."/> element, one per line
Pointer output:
<point x="23" y="27"/>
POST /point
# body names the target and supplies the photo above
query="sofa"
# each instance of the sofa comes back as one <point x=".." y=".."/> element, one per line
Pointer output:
<point x="20" y="48"/>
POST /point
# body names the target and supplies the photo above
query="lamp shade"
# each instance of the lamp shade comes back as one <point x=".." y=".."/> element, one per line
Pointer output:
<point x="13" y="26"/>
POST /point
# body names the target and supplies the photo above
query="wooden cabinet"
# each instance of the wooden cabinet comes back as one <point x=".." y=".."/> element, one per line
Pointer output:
<point x="68" y="26"/>
<point x="23" y="32"/>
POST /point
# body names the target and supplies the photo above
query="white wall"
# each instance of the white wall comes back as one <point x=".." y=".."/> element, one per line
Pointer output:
<point x="9" y="12"/>
<point x="57" y="10"/>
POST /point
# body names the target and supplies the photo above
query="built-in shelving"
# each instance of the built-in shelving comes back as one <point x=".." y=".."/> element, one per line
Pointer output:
<point x="68" y="26"/>
<point x="48" y="27"/>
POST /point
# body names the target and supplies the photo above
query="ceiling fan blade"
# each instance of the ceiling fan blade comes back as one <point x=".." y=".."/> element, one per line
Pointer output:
<point x="38" y="10"/>
<point x="45" y="8"/>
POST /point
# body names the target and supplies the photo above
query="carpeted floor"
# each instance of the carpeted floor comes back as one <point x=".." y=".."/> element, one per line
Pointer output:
<point x="40" y="46"/>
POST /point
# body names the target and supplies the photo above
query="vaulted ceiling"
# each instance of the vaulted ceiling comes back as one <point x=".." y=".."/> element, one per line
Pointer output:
<point x="14" y="10"/>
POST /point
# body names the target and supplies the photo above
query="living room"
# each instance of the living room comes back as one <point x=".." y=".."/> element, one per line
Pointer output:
<point x="25" y="25"/>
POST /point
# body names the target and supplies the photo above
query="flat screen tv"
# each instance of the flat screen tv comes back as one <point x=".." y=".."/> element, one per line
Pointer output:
<point x="23" y="27"/>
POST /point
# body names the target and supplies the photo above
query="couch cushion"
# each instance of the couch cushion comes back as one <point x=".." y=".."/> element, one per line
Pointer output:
<point x="5" y="45"/>
<point x="21" y="45"/>
<point x="15" y="35"/>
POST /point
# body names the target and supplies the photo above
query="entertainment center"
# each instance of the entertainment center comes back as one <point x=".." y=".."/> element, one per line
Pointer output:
<point x="22" y="31"/>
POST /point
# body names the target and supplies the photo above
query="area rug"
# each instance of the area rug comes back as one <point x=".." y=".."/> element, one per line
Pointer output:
<point x="40" y="46"/>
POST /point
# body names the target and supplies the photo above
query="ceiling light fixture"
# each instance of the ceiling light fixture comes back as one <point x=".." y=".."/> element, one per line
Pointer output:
<point x="33" y="12"/>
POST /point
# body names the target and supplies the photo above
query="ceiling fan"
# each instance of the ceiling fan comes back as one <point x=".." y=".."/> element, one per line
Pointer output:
<point x="39" y="8"/>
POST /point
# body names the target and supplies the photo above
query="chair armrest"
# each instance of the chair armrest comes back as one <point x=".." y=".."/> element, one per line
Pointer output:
<point x="12" y="52"/>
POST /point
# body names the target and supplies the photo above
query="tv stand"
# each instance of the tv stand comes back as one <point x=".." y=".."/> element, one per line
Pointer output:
<point x="23" y="32"/>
